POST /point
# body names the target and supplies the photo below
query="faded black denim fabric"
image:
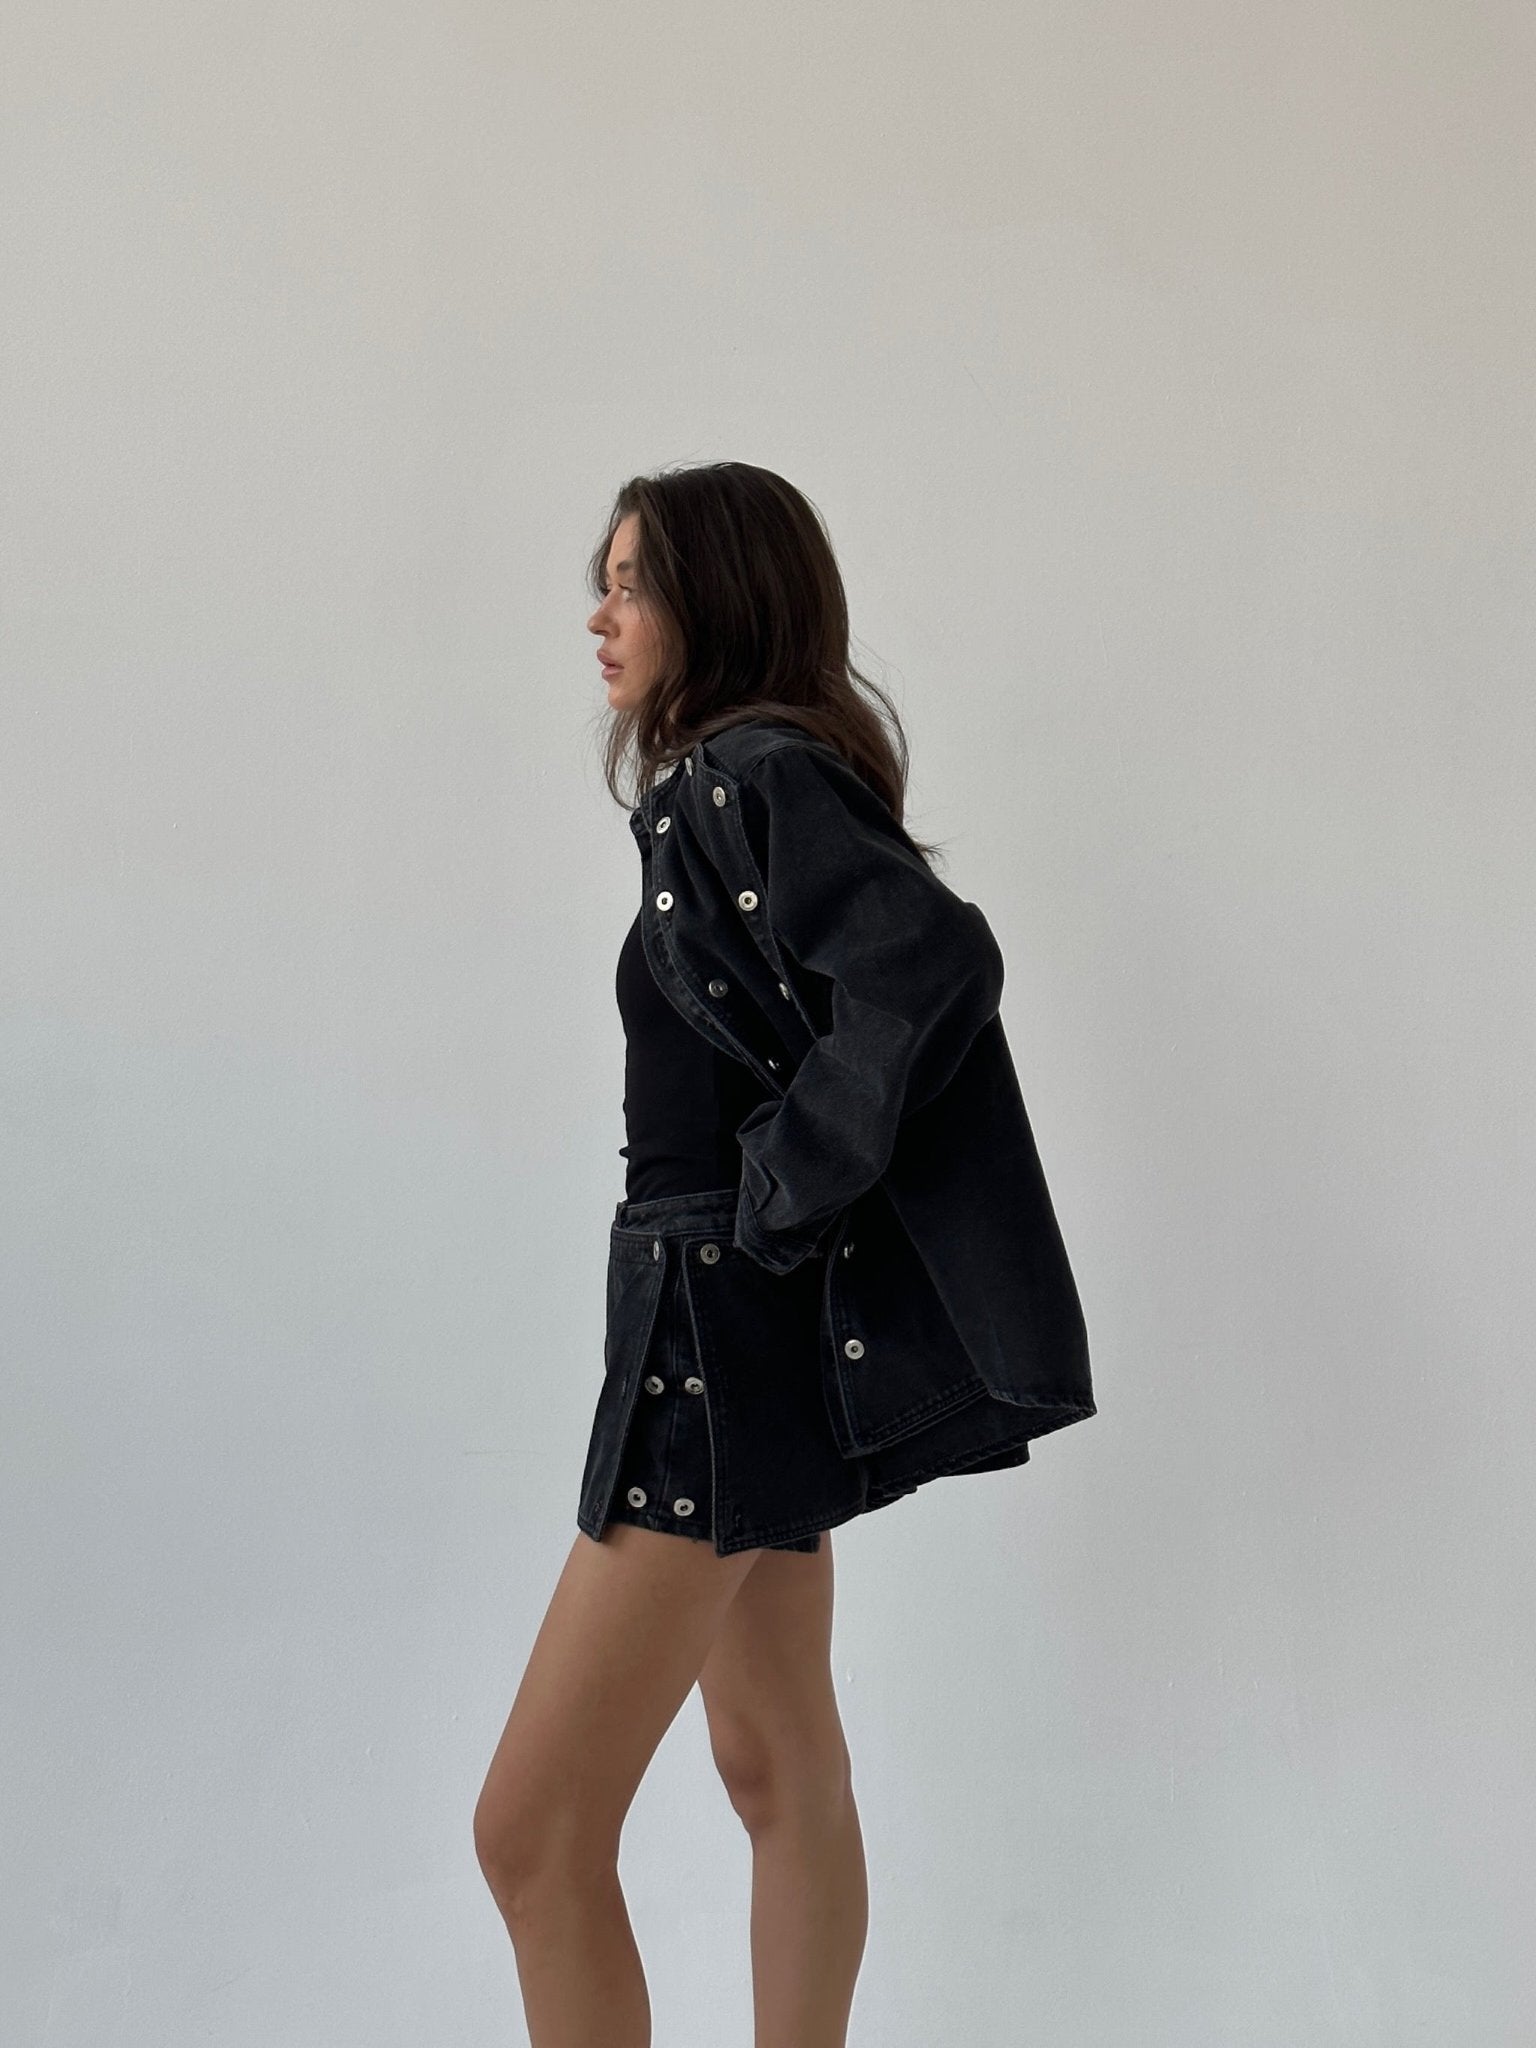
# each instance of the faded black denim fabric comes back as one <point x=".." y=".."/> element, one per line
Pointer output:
<point x="726" y="1357"/>
<point x="789" y="918"/>
<point x="737" y="1350"/>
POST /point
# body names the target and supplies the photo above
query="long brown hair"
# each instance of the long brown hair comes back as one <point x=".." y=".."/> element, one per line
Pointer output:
<point x="737" y="569"/>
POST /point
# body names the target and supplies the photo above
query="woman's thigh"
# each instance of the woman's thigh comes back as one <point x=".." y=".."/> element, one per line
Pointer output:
<point x="620" y="1646"/>
<point x="766" y="1680"/>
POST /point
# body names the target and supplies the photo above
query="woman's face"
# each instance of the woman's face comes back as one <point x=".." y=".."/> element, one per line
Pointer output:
<point x="629" y="644"/>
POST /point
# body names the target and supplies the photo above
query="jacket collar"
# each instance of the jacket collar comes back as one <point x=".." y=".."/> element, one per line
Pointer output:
<point x="642" y="819"/>
<point x="729" y="753"/>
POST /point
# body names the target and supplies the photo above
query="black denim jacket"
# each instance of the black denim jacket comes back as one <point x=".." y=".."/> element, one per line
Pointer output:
<point x="789" y="918"/>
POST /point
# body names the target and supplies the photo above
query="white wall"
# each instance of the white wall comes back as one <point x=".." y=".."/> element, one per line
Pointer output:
<point x="1164" y="376"/>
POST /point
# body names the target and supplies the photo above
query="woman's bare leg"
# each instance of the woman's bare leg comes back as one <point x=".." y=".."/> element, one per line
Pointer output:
<point x="779" y="1746"/>
<point x="619" y="1649"/>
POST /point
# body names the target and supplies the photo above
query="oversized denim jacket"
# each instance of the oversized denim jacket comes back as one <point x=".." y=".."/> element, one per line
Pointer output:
<point x="789" y="918"/>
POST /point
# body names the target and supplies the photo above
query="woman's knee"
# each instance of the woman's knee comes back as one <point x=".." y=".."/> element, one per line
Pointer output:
<point x="531" y="1832"/>
<point x="792" y="1774"/>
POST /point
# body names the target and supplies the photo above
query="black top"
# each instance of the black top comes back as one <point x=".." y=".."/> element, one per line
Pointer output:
<point x="684" y="1099"/>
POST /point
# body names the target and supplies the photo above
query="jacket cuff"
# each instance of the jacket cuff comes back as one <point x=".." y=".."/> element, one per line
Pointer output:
<point x="777" y="1252"/>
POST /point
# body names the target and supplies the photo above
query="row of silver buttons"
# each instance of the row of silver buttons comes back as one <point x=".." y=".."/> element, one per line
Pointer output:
<point x="747" y="900"/>
<point x="707" y="1252"/>
<point x="636" y="1497"/>
<point x="655" y="1384"/>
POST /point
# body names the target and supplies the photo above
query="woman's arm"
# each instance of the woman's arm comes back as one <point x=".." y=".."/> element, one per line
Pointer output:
<point x="909" y="974"/>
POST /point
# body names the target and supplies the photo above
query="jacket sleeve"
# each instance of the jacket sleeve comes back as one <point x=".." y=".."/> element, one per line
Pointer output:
<point x="909" y="972"/>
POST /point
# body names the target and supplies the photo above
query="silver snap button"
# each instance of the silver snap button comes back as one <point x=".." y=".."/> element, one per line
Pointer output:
<point x="682" y="1505"/>
<point x="655" y="1247"/>
<point x="783" y="991"/>
<point x="747" y="899"/>
<point x="662" y="824"/>
<point x="636" y="1496"/>
<point x="664" y="900"/>
<point x="854" y="1348"/>
<point x="653" y="1385"/>
<point x="718" y="794"/>
<point x="719" y="988"/>
<point x="774" y="1064"/>
<point x="693" y="1384"/>
<point x="709" y="1253"/>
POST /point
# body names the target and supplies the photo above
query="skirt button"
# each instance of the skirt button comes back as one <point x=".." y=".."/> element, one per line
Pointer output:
<point x="693" y="1384"/>
<point x="709" y="1253"/>
<point x="636" y="1496"/>
<point x="682" y="1506"/>
<point x="653" y="1385"/>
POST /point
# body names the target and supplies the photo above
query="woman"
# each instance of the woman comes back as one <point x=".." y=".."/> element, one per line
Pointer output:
<point x="835" y="1273"/>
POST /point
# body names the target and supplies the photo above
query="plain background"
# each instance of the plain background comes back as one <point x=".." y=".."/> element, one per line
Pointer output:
<point x="1164" y="376"/>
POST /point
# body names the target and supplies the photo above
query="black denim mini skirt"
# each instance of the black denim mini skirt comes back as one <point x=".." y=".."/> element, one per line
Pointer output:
<point x="680" y="1296"/>
<point x="711" y="1418"/>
